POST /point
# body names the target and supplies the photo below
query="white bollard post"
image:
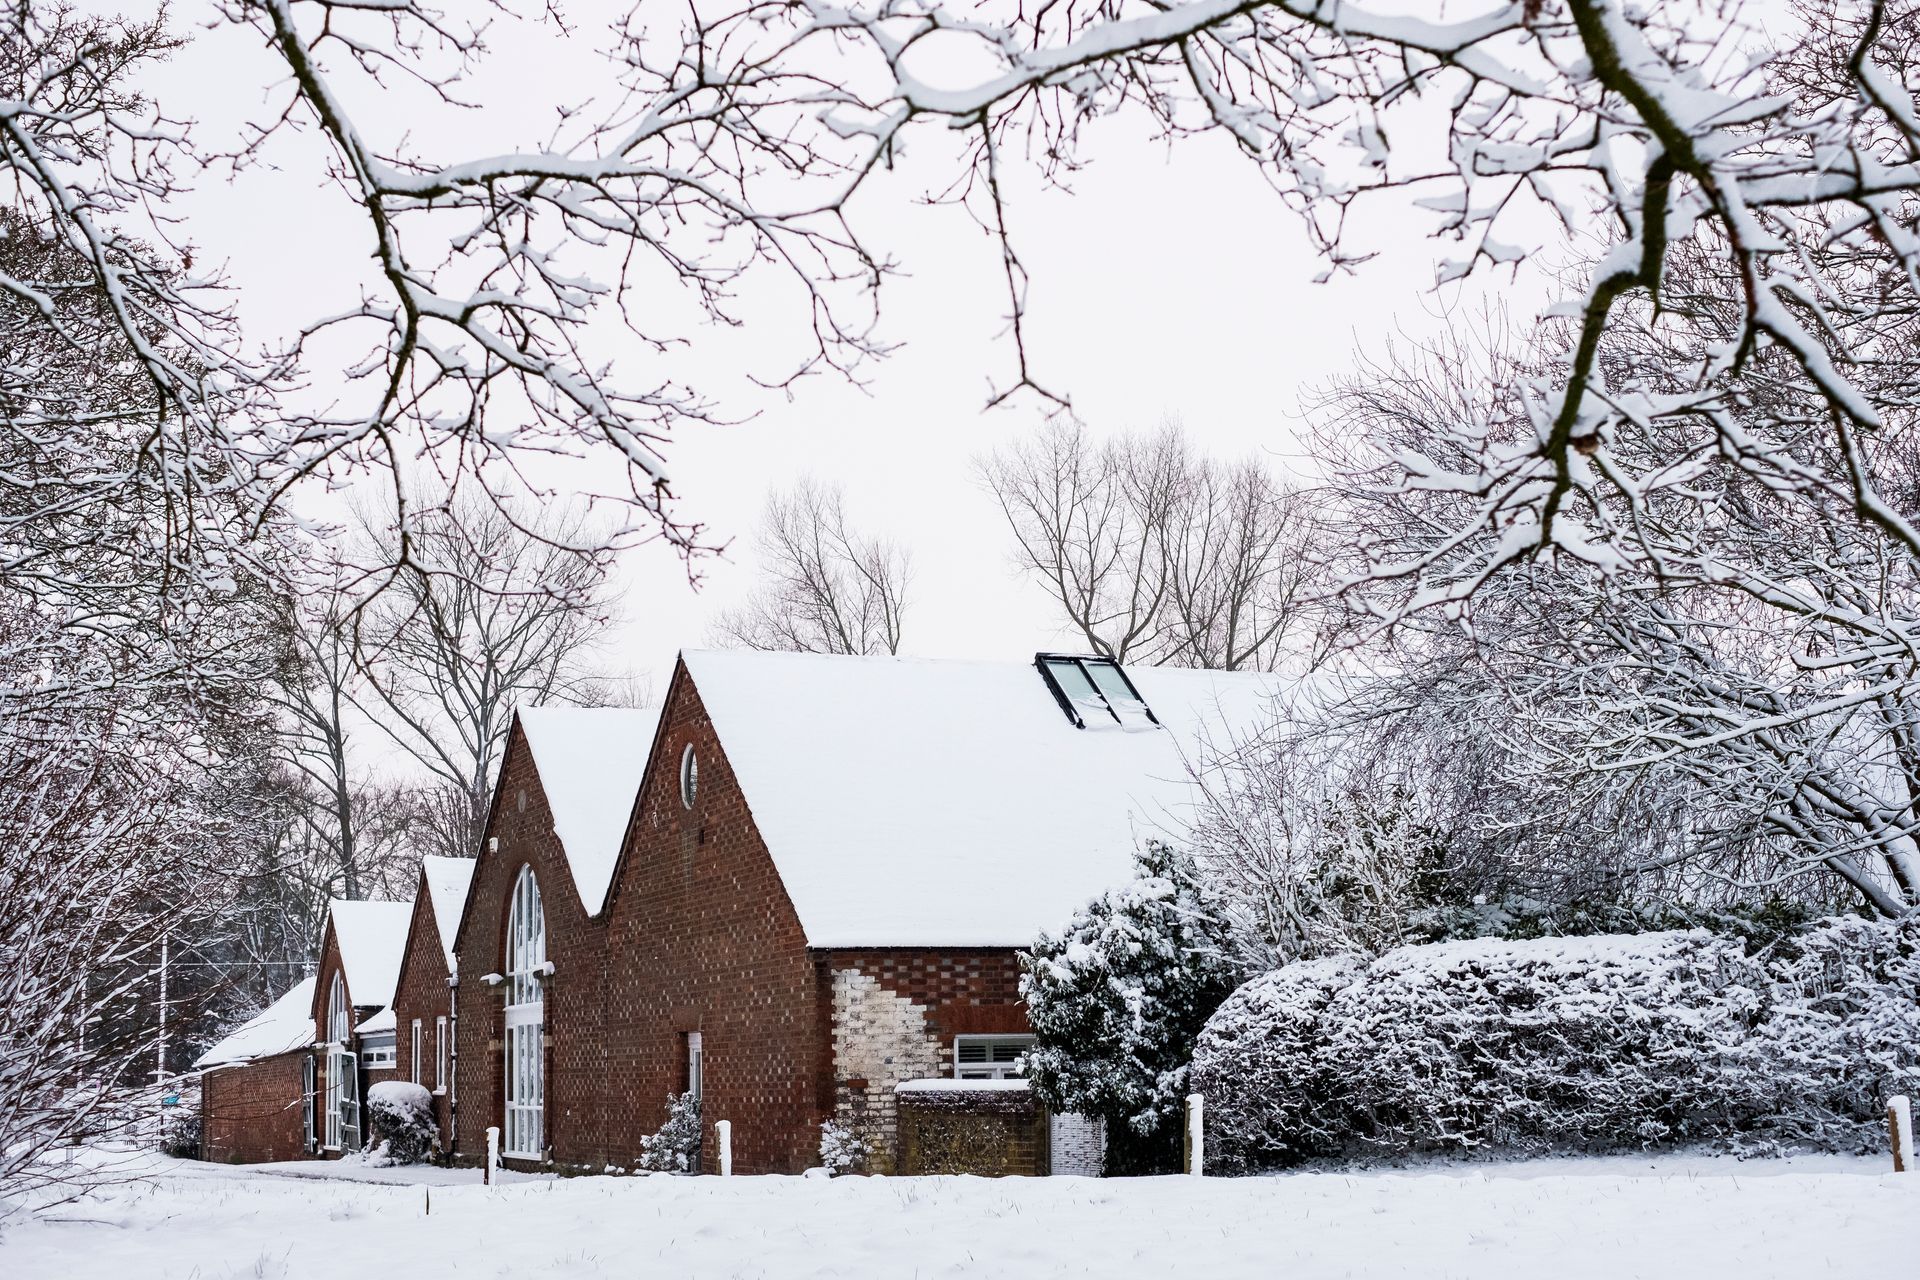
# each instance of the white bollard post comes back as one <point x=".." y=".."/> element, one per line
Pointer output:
<point x="493" y="1155"/>
<point x="1196" y="1135"/>
<point x="723" y="1134"/>
<point x="1900" y="1132"/>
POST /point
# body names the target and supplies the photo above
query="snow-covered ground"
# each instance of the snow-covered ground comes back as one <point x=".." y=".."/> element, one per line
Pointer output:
<point x="1698" y="1218"/>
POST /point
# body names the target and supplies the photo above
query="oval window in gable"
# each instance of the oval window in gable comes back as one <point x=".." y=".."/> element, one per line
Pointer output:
<point x="689" y="776"/>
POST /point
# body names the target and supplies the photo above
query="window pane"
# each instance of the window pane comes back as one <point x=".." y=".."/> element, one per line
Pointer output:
<point x="1127" y="707"/>
<point x="1080" y="691"/>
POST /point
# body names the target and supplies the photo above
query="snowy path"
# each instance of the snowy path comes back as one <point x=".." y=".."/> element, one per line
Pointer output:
<point x="1698" y="1219"/>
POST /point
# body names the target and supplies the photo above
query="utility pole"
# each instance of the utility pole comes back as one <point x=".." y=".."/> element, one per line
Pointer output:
<point x="160" y="1047"/>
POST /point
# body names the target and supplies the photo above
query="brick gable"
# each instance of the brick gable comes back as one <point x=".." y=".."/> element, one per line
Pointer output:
<point x="422" y="994"/>
<point x="520" y="834"/>
<point x="701" y="937"/>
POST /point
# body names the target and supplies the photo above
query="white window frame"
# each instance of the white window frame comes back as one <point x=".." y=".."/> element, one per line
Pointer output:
<point x="380" y="1050"/>
<point x="689" y="777"/>
<point x="990" y="1069"/>
<point x="340" y="1064"/>
<point x="309" y="1104"/>
<point x="524" y="1129"/>
<point x="415" y="1044"/>
<point x="440" y="1054"/>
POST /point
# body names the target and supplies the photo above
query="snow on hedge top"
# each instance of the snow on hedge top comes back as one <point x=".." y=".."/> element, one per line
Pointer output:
<point x="284" y="1025"/>
<point x="944" y="1085"/>
<point x="590" y="761"/>
<point x="372" y="936"/>
<point x="447" y="881"/>
<point x="916" y="803"/>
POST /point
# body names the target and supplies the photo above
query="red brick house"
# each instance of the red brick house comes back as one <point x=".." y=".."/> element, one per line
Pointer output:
<point x="287" y="1084"/>
<point x="423" y="1001"/>
<point x="824" y="871"/>
<point x="353" y="1016"/>
<point x="531" y="947"/>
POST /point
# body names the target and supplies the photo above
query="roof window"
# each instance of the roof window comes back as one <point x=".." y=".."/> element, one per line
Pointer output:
<point x="1094" y="692"/>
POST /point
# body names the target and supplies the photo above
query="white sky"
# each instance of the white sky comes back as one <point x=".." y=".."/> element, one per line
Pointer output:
<point x="1170" y="281"/>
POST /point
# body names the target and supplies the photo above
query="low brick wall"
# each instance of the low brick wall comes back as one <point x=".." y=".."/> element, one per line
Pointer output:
<point x="990" y="1128"/>
<point x="254" y="1113"/>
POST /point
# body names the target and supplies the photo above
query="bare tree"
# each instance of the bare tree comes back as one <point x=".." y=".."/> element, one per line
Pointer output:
<point x="489" y="611"/>
<point x="1089" y="534"/>
<point x="1155" y="553"/>
<point x="1736" y="639"/>
<point x="825" y="588"/>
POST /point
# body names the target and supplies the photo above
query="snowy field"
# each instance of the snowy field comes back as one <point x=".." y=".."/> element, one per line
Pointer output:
<point x="1698" y="1218"/>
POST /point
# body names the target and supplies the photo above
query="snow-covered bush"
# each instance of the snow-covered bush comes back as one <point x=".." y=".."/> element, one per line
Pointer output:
<point x="1117" y="999"/>
<point x="1260" y="1064"/>
<point x="401" y="1114"/>
<point x="1557" y="1042"/>
<point x="841" y="1149"/>
<point x="675" y="1148"/>
<point x="180" y="1133"/>
<point x="1844" y="1034"/>
<point x="1554" y="1043"/>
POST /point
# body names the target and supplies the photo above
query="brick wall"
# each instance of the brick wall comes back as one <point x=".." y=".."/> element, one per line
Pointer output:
<point x="254" y="1112"/>
<point x="895" y="1013"/>
<point x="422" y="993"/>
<point x="523" y="824"/>
<point x="989" y="1133"/>
<point x="701" y="937"/>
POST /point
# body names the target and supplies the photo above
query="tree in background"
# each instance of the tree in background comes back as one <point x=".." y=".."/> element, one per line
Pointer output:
<point x="132" y="653"/>
<point x="825" y="587"/>
<point x="1734" y="651"/>
<point x="1117" y="999"/>
<point x="491" y="607"/>
<point x="1155" y="553"/>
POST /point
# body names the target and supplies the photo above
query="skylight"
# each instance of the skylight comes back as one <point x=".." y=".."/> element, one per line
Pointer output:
<point x="1094" y="692"/>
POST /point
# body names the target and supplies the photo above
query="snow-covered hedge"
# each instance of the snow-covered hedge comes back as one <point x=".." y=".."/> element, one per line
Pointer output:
<point x="1565" y="1043"/>
<point x="1844" y="1033"/>
<point x="1260" y="1064"/>
<point x="403" y="1123"/>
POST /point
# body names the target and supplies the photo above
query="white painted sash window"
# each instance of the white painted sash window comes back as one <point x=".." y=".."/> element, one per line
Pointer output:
<point x="988" y="1057"/>
<point x="525" y="1020"/>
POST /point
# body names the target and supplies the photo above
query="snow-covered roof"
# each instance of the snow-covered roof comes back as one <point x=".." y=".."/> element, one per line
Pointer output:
<point x="590" y="761"/>
<point x="917" y="803"/>
<point x="372" y="937"/>
<point x="285" y="1024"/>
<point x="447" y="881"/>
<point x="385" y="1020"/>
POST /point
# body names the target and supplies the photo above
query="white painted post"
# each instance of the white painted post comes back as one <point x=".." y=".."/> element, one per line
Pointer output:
<point x="493" y="1155"/>
<point x="1196" y="1135"/>
<point x="1900" y="1132"/>
<point x="723" y="1133"/>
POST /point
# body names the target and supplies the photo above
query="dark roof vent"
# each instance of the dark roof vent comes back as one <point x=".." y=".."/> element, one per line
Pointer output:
<point x="1094" y="692"/>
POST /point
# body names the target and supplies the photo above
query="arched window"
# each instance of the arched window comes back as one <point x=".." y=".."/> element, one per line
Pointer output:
<point x="525" y="1019"/>
<point x="343" y="1072"/>
<point x="339" y="1017"/>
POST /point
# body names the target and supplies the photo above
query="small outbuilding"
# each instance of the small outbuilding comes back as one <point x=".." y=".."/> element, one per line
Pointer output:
<point x="256" y="1085"/>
